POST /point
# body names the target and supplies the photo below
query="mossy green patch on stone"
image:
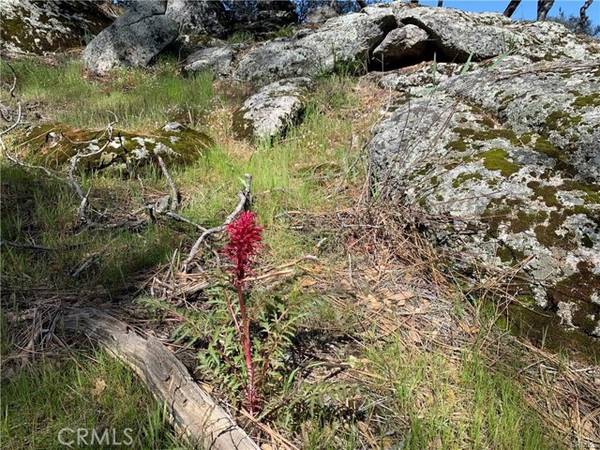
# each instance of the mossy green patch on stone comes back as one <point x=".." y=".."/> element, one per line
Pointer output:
<point x="53" y="145"/>
<point x="546" y="192"/>
<point x="457" y="145"/>
<point x="579" y="288"/>
<point x="591" y="191"/>
<point x="525" y="138"/>
<point x="584" y="101"/>
<point x="561" y="121"/>
<point x="464" y="177"/>
<point x="487" y="134"/>
<point x="544" y="146"/>
<point x="509" y="255"/>
<point x="497" y="159"/>
<point x="526" y="220"/>
<point x="547" y="234"/>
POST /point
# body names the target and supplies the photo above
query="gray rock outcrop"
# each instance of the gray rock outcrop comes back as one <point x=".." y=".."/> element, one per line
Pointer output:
<point x="417" y="77"/>
<point x="270" y="111"/>
<point x="459" y="35"/>
<point x="504" y="163"/>
<point x="198" y="18"/>
<point x="342" y="40"/>
<point x="27" y="26"/>
<point x="133" y="40"/>
<point x="560" y="100"/>
<point x="402" y="45"/>
<point x="217" y="60"/>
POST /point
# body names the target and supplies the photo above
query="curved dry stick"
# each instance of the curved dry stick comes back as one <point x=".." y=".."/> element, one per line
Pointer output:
<point x="174" y="192"/>
<point x="245" y="199"/>
<point x="192" y="410"/>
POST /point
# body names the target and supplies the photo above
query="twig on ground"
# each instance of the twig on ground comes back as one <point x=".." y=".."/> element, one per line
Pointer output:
<point x="73" y="163"/>
<point x="174" y="192"/>
<point x="245" y="200"/>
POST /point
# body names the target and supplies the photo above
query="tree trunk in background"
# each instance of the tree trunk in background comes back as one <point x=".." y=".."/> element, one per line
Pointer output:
<point x="512" y="6"/>
<point x="543" y="7"/>
<point x="440" y="3"/>
<point x="361" y="3"/>
<point x="583" y="18"/>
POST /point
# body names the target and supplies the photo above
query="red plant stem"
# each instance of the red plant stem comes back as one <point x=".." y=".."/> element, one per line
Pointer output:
<point x="247" y="347"/>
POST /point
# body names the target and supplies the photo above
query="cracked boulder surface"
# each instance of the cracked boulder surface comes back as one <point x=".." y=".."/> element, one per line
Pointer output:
<point x="397" y="35"/>
<point x="199" y="18"/>
<point x="405" y="43"/>
<point x="125" y="153"/>
<point x="133" y="40"/>
<point x="459" y="36"/>
<point x="342" y="40"/>
<point x="504" y="162"/>
<point x="272" y="110"/>
<point x="218" y="60"/>
<point x="40" y="27"/>
<point x="559" y="100"/>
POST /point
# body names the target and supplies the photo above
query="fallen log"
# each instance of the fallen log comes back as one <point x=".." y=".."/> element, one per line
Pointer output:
<point x="193" y="411"/>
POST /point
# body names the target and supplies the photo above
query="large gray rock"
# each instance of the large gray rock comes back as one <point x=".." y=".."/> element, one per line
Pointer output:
<point x="40" y="27"/>
<point x="559" y="100"/>
<point x="418" y="77"/>
<point x="274" y="108"/>
<point x="402" y="45"/>
<point x="133" y="40"/>
<point x="458" y="35"/>
<point x="197" y="18"/>
<point x="217" y="60"/>
<point x="342" y="40"/>
<point x="497" y="185"/>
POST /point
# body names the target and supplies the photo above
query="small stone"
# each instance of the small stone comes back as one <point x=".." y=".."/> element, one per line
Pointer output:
<point x="272" y="109"/>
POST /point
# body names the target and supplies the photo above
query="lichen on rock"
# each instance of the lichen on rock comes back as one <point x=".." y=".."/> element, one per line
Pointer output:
<point x="270" y="111"/>
<point x="28" y="26"/>
<point x="503" y="201"/>
<point x="125" y="153"/>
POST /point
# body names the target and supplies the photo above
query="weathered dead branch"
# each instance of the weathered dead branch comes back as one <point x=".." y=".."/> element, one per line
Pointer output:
<point x="193" y="411"/>
<point x="245" y="200"/>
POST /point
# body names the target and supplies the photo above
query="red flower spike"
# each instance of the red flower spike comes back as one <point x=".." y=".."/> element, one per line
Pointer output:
<point x="245" y="238"/>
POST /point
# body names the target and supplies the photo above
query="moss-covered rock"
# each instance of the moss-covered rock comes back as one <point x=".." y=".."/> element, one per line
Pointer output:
<point x="53" y="145"/>
<point x="502" y="196"/>
<point x="39" y="27"/>
<point x="270" y="111"/>
<point x="559" y="101"/>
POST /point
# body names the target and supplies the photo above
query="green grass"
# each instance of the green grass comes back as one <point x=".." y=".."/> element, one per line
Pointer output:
<point x="98" y="394"/>
<point x="420" y="398"/>
<point x="453" y="404"/>
<point x="140" y="99"/>
<point x="41" y="211"/>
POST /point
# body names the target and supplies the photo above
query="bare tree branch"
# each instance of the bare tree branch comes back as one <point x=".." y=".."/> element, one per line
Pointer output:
<point x="583" y="18"/>
<point x="543" y="7"/>
<point x="245" y="200"/>
<point x="512" y="6"/>
<point x="174" y="192"/>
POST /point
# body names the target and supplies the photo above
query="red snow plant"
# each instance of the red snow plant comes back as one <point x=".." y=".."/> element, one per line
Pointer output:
<point x="245" y="238"/>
